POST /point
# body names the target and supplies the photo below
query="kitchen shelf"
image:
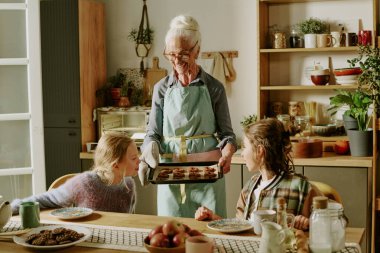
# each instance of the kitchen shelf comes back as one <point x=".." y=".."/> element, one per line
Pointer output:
<point x="290" y="1"/>
<point x="309" y="50"/>
<point x="323" y="138"/>
<point x="308" y="87"/>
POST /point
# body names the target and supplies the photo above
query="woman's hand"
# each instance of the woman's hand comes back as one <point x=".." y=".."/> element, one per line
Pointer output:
<point x="225" y="160"/>
<point x="301" y="222"/>
<point x="203" y="213"/>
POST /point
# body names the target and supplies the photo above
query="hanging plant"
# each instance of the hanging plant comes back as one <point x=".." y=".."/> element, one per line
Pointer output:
<point x="146" y="38"/>
<point x="143" y="37"/>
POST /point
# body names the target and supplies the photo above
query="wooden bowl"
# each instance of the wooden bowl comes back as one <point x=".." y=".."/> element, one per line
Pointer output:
<point x="152" y="249"/>
<point x="307" y="148"/>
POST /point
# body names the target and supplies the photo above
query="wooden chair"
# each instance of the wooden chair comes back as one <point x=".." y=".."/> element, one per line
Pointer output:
<point x="61" y="180"/>
<point x="328" y="191"/>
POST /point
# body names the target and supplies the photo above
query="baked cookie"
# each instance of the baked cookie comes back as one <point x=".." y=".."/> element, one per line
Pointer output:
<point x="179" y="170"/>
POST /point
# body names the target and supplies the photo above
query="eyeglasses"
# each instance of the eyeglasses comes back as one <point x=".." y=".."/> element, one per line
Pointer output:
<point x="182" y="56"/>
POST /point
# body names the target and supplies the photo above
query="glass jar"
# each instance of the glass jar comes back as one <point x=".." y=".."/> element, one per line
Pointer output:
<point x="338" y="226"/>
<point x="320" y="226"/>
<point x="285" y="119"/>
<point x="302" y="125"/>
<point x="295" y="40"/>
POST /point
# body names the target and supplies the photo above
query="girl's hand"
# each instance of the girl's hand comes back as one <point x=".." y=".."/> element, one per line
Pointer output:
<point x="301" y="222"/>
<point x="203" y="213"/>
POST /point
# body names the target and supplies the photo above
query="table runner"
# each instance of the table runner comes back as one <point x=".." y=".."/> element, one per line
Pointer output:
<point x="126" y="238"/>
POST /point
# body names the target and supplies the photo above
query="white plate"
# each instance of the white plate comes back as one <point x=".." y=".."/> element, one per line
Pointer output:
<point x="71" y="213"/>
<point x="21" y="240"/>
<point x="230" y="225"/>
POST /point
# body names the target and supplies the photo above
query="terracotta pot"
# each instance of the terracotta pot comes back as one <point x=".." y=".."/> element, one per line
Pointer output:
<point x="124" y="102"/>
<point x="115" y="93"/>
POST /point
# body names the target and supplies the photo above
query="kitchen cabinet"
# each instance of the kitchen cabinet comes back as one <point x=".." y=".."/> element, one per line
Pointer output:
<point x="21" y="125"/>
<point x="73" y="68"/>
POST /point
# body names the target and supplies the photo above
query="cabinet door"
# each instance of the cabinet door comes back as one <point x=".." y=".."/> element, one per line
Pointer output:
<point x="62" y="148"/>
<point x="233" y="189"/>
<point x="60" y="63"/>
<point x="352" y="185"/>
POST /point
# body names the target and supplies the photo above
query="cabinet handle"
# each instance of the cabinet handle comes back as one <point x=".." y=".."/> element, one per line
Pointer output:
<point x="72" y="134"/>
<point x="71" y="121"/>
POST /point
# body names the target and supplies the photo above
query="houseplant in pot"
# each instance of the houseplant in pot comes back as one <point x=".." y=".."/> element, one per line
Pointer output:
<point x="310" y="28"/>
<point x="124" y="99"/>
<point x="359" y="103"/>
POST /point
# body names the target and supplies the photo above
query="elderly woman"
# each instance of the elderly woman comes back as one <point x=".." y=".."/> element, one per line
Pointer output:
<point x="189" y="120"/>
<point x="266" y="152"/>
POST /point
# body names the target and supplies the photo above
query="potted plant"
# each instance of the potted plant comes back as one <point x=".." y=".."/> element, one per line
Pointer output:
<point x="359" y="103"/>
<point x="310" y="28"/>
<point x="115" y="83"/>
<point x="248" y="120"/>
<point x="124" y="99"/>
<point x="369" y="62"/>
<point x="143" y="40"/>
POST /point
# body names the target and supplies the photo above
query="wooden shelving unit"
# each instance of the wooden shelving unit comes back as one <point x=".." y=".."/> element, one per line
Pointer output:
<point x="281" y="86"/>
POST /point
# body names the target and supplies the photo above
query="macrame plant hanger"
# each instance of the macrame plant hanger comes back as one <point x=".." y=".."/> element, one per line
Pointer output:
<point x="144" y="39"/>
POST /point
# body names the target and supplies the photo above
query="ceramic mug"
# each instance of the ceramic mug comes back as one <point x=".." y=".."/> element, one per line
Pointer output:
<point x="324" y="40"/>
<point x="365" y="37"/>
<point x="30" y="214"/>
<point x="351" y="39"/>
<point x="337" y="39"/>
<point x="259" y="216"/>
<point x="200" y="243"/>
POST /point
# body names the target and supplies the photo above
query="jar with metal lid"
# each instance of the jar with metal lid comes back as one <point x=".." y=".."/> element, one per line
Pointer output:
<point x="285" y="119"/>
<point x="338" y="226"/>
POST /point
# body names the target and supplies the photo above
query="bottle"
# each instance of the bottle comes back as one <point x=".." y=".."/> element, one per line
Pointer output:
<point x="282" y="219"/>
<point x="320" y="227"/>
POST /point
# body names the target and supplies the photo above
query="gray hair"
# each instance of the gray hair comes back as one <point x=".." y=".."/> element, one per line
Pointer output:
<point x="185" y="27"/>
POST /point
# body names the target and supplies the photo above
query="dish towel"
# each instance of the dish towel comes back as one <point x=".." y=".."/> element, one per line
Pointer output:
<point x="222" y="69"/>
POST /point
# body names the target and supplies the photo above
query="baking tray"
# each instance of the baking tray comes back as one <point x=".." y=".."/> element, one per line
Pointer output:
<point x="187" y="168"/>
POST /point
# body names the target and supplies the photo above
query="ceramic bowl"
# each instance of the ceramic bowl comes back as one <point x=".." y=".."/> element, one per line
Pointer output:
<point x="324" y="130"/>
<point x="320" y="72"/>
<point x="320" y="79"/>
<point x="307" y="148"/>
<point x="153" y="249"/>
<point x="347" y="71"/>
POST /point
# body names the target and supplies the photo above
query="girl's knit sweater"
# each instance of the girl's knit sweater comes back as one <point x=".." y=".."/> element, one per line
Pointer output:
<point x="87" y="190"/>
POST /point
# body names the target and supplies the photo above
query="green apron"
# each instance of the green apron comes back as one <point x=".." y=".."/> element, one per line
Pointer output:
<point x="188" y="113"/>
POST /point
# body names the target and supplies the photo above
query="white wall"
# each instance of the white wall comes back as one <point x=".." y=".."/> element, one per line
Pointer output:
<point x="225" y="25"/>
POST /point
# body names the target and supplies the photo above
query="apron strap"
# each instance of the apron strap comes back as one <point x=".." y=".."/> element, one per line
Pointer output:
<point x="182" y="144"/>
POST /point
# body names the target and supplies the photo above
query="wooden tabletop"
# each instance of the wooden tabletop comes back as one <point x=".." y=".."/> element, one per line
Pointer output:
<point x="138" y="221"/>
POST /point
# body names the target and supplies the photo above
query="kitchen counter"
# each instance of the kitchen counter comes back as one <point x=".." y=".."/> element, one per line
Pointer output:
<point x="327" y="159"/>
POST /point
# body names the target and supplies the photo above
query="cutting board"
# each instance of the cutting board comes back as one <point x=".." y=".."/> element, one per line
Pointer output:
<point x="152" y="76"/>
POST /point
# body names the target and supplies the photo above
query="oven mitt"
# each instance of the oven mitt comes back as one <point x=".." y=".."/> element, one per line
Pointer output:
<point x="148" y="159"/>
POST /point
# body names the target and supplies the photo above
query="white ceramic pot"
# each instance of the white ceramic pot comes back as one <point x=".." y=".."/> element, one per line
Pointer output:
<point x="310" y="40"/>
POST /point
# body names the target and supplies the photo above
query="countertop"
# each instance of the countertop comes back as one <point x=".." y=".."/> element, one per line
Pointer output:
<point x="327" y="159"/>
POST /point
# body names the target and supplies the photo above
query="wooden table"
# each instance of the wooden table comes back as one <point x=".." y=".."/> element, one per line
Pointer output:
<point x="138" y="221"/>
